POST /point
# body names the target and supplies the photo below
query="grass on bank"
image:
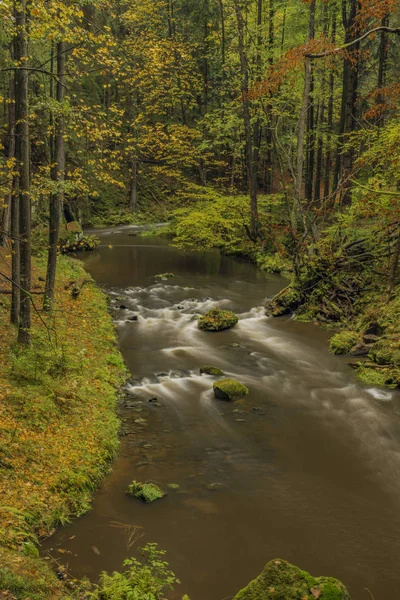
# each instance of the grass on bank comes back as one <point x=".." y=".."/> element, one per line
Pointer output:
<point x="58" y="424"/>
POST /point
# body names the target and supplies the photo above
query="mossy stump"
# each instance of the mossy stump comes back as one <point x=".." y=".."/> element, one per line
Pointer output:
<point x="282" y="581"/>
<point x="208" y="370"/>
<point x="229" y="389"/>
<point x="217" y="320"/>
<point x="148" y="492"/>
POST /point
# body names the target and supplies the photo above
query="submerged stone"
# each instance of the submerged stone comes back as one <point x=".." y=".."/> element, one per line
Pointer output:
<point x="208" y="370"/>
<point x="282" y="581"/>
<point x="148" y="492"/>
<point x="229" y="389"/>
<point x="217" y="320"/>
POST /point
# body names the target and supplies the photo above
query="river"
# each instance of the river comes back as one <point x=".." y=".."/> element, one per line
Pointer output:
<point x="305" y="468"/>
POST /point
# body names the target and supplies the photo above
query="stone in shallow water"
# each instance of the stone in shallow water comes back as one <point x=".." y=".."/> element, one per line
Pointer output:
<point x="282" y="581"/>
<point x="229" y="389"/>
<point x="148" y="492"/>
<point x="208" y="370"/>
<point x="217" y="320"/>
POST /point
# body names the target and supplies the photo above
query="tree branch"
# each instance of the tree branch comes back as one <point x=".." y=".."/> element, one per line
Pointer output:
<point x="395" y="30"/>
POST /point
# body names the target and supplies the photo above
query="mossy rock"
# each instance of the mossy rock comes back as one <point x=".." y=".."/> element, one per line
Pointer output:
<point x="386" y="351"/>
<point x="343" y="342"/>
<point x="282" y="581"/>
<point x="283" y="303"/>
<point x="164" y="276"/>
<point x="208" y="370"/>
<point x="148" y="492"/>
<point x="217" y="320"/>
<point x="229" y="389"/>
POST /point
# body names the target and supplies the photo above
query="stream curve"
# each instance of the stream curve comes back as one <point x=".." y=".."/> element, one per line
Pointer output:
<point x="305" y="468"/>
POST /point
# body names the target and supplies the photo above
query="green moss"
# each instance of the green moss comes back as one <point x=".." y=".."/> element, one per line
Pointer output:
<point x="386" y="351"/>
<point x="282" y="581"/>
<point x="342" y="342"/>
<point x="149" y="492"/>
<point x="164" y="276"/>
<point x="217" y="320"/>
<point x="229" y="389"/>
<point x="283" y="303"/>
<point x="208" y="370"/>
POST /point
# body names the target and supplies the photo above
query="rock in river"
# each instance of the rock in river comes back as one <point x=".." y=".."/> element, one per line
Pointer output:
<point x="229" y="389"/>
<point x="217" y="320"/>
<point x="208" y="370"/>
<point x="282" y="581"/>
<point x="148" y="492"/>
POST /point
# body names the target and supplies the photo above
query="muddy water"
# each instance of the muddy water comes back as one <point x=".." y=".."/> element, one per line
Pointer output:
<point x="305" y="468"/>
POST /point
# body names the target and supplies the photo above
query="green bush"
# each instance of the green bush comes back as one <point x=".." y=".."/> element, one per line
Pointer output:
<point x="149" y="579"/>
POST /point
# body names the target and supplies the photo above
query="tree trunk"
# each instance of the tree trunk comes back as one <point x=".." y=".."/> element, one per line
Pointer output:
<point x="303" y="121"/>
<point x="23" y="160"/>
<point x="329" y="124"/>
<point x="269" y="141"/>
<point x="133" y="191"/>
<point x="58" y="173"/>
<point x="251" y="163"/>
<point x="383" y="56"/>
<point x="6" y="217"/>
<point x="344" y="159"/>
<point x="393" y="270"/>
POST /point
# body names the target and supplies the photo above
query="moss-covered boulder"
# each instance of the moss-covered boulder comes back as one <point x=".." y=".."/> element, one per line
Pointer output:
<point x="283" y="303"/>
<point x="148" y="492"/>
<point x="229" y="389"/>
<point x="282" y="581"/>
<point x="386" y="351"/>
<point x="208" y="370"/>
<point x="343" y="342"/>
<point x="217" y="320"/>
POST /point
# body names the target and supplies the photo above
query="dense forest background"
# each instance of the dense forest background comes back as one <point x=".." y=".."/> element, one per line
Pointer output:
<point x="264" y="127"/>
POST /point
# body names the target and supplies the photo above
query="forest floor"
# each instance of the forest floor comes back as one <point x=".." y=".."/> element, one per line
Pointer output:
<point x="59" y="392"/>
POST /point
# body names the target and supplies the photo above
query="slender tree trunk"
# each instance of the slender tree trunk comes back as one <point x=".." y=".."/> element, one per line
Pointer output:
<point x="23" y="158"/>
<point x="251" y="163"/>
<point x="318" y="165"/>
<point x="303" y="121"/>
<point x="269" y="141"/>
<point x="15" y="254"/>
<point x="383" y="56"/>
<point x="133" y="191"/>
<point x="58" y="174"/>
<point x="393" y="270"/>
<point x="310" y="139"/>
<point x="329" y="124"/>
<point x="6" y="217"/>
<point x="344" y="158"/>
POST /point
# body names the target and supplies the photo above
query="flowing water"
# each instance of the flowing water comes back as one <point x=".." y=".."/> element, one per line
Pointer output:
<point x="305" y="468"/>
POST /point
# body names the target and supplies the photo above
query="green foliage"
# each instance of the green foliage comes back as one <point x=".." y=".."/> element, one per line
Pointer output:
<point x="82" y="243"/>
<point x="148" y="579"/>
<point x="274" y="263"/>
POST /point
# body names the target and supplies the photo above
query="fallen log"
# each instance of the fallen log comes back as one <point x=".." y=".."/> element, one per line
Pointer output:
<point x="77" y="287"/>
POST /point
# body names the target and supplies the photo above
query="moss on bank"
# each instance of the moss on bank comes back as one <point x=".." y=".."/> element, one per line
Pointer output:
<point x="55" y="395"/>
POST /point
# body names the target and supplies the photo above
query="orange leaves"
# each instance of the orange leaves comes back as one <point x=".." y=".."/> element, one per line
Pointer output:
<point x="286" y="67"/>
<point x="372" y="12"/>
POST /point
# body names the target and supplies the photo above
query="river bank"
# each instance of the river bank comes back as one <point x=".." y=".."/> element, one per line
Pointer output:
<point x="58" y="423"/>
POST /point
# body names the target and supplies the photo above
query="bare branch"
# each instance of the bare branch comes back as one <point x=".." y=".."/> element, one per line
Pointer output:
<point x="395" y="30"/>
